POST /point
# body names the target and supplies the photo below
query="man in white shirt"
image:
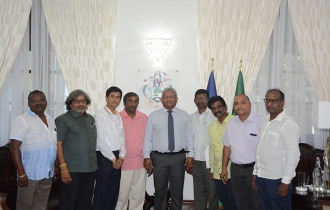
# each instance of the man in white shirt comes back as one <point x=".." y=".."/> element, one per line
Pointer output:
<point x="277" y="154"/>
<point x="205" y="193"/>
<point x="110" y="151"/>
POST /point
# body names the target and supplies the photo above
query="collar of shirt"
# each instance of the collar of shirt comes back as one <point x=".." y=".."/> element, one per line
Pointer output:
<point x="250" y="118"/>
<point x="124" y="114"/>
<point x="173" y="110"/>
<point x="110" y="112"/>
<point x="75" y="114"/>
<point x="279" y="117"/>
<point x="31" y="113"/>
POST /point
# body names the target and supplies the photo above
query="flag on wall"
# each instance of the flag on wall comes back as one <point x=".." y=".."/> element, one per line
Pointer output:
<point x="211" y="86"/>
<point x="239" y="88"/>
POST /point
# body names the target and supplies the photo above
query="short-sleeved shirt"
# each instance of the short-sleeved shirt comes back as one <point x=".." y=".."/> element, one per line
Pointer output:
<point x="242" y="138"/>
<point x="39" y="145"/>
<point x="216" y="131"/>
<point x="78" y="135"/>
<point x="134" y="135"/>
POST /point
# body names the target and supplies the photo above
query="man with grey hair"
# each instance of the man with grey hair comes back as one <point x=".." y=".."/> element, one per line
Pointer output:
<point x="76" y="152"/>
<point x="168" y="145"/>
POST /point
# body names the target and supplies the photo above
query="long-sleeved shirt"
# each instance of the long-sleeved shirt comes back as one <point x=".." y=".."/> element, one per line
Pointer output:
<point x="242" y="138"/>
<point x="278" y="148"/>
<point x="110" y="133"/>
<point x="156" y="136"/>
<point x="134" y="130"/>
<point x="201" y="123"/>
<point x="216" y="131"/>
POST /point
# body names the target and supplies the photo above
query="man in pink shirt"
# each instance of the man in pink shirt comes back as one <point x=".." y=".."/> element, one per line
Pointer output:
<point x="133" y="175"/>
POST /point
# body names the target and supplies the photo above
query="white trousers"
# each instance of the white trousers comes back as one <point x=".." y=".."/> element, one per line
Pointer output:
<point x="132" y="187"/>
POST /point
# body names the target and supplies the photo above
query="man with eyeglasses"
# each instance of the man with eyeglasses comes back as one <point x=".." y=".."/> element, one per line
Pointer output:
<point x="110" y="151"/>
<point x="133" y="175"/>
<point x="33" y="148"/>
<point x="240" y="141"/>
<point x="205" y="195"/>
<point x="76" y="140"/>
<point x="277" y="154"/>
<point x="170" y="138"/>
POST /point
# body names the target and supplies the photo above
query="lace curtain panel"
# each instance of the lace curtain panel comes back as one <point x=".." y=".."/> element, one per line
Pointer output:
<point x="14" y="16"/>
<point x="83" y="36"/>
<point x="230" y="31"/>
<point x="311" y="24"/>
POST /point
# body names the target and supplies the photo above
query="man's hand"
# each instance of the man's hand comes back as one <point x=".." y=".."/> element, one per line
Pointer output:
<point x="189" y="164"/>
<point x="254" y="183"/>
<point x="224" y="175"/>
<point x="65" y="175"/>
<point x="148" y="165"/>
<point x="283" y="190"/>
<point x="119" y="163"/>
<point x="211" y="175"/>
<point x="23" y="181"/>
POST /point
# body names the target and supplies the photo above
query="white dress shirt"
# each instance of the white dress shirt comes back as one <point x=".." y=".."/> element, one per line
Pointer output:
<point x="242" y="138"/>
<point x="110" y="133"/>
<point x="156" y="136"/>
<point x="278" y="149"/>
<point x="201" y="123"/>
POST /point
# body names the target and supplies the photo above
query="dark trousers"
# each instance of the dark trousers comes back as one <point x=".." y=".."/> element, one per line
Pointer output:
<point x="241" y="183"/>
<point x="168" y="168"/>
<point x="78" y="194"/>
<point x="225" y="194"/>
<point x="268" y="197"/>
<point x="107" y="183"/>
<point x="204" y="188"/>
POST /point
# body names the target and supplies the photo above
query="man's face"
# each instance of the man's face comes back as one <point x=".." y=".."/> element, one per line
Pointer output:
<point x="37" y="103"/>
<point x="113" y="100"/>
<point x="201" y="101"/>
<point x="218" y="110"/>
<point x="131" y="104"/>
<point x="169" y="100"/>
<point x="79" y="105"/>
<point x="242" y="106"/>
<point x="273" y="103"/>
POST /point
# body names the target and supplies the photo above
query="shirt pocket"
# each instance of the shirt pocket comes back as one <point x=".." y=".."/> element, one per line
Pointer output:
<point x="272" y="138"/>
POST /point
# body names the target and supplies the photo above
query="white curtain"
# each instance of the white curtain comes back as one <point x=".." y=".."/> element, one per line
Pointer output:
<point x="311" y="24"/>
<point x="282" y="67"/>
<point x="45" y="75"/>
<point x="83" y="35"/>
<point x="14" y="15"/>
<point x="230" y="31"/>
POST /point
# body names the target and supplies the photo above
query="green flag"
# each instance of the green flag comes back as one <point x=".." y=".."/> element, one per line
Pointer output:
<point x="239" y="88"/>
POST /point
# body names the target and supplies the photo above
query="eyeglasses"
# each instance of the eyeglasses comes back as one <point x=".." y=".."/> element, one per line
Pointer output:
<point x="84" y="101"/>
<point x="274" y="101"/>
<point x="36" y="101"/>
<point x="201" y="98"/>
<point x="169" y="97"/>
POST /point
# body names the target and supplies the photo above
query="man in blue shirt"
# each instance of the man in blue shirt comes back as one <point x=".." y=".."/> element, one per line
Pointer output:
<point x="169" y="136"/>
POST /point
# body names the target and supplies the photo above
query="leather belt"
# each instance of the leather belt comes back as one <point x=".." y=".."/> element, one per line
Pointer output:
<point x="171" y="153"/>
<point x="244" y="165"/>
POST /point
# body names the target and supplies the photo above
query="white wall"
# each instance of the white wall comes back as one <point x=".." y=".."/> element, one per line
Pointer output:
<point x="140" y="19"/>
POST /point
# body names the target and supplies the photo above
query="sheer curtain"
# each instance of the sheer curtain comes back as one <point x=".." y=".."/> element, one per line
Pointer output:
<point x="45" y="75"/>
<point x="282" y="68"/>
<point x="83" y="33"/>
<point x="230" y="31"/>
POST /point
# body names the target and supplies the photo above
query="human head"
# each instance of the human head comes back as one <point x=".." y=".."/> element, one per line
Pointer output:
<point x="37" y="102"/>
<point x="113" y="89"/>
<point x="201" y="99"/>
<point x="131" y="101"/>
<point x="274" y="102"/>
<point x="218" y="107"/>
<point x="169" y="98"/>
<point x="73" y="96"/>
<point x="242" y="105"/>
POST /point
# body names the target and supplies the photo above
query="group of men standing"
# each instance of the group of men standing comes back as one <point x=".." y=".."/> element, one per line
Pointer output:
<point x="104" y="160"/>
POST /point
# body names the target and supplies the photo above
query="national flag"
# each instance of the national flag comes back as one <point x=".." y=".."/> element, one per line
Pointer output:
<point x="211" y="86"/>
<point x="239" y="88"/>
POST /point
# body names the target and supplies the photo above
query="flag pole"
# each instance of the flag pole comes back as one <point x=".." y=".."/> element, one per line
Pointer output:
<point x="241" y="66"/>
